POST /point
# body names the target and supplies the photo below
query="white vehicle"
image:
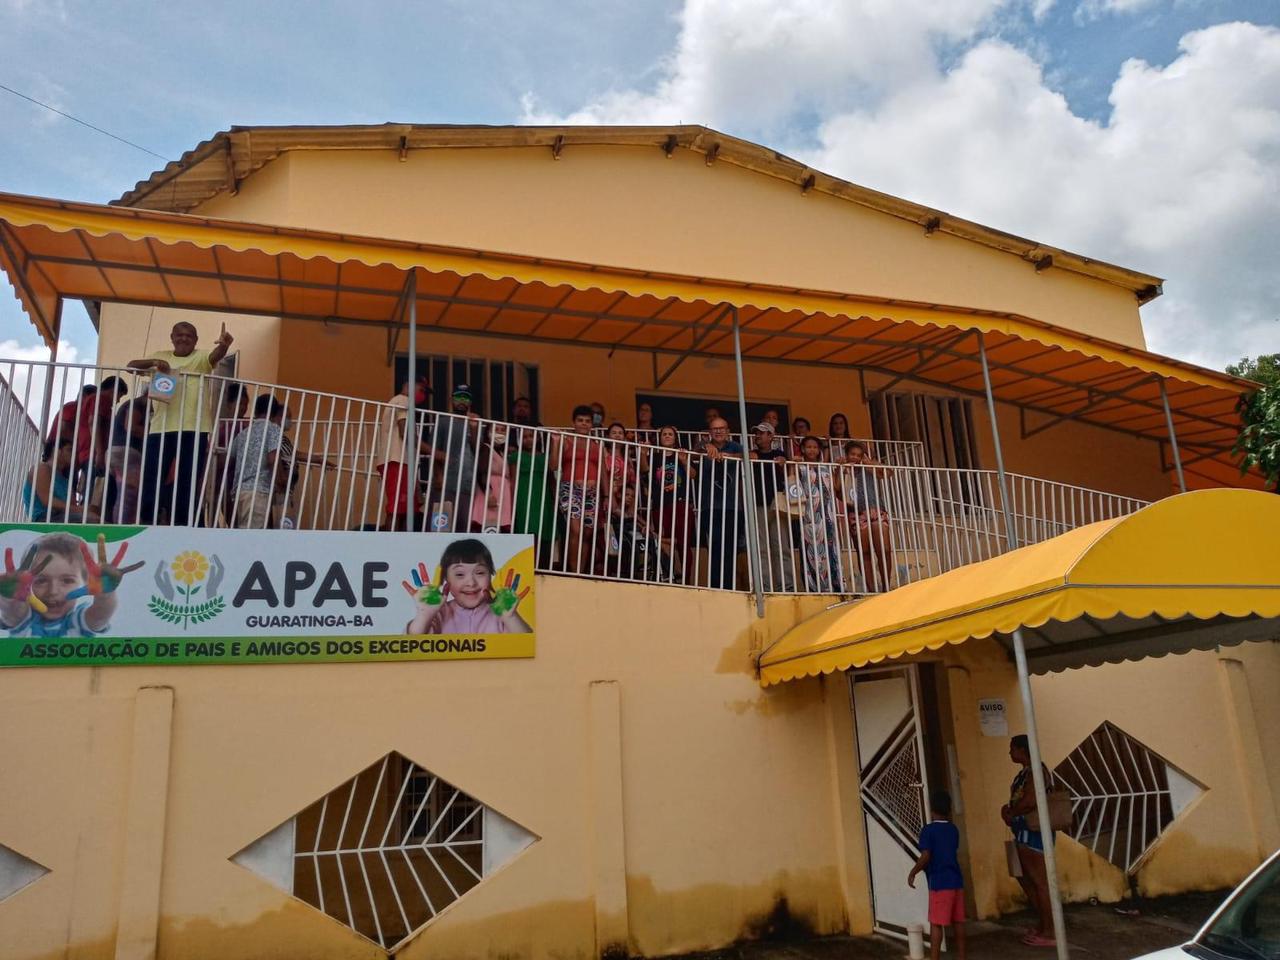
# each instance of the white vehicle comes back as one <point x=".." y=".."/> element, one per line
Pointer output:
<point x="1245" y="927"/>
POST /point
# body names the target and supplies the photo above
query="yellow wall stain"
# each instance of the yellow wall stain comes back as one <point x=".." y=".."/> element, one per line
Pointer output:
<point x="777" y="701"/>
<point x="101" y="949"/>
<point x="711" y="915"/>
<point x="557" y="930"/>
<point x="1180" y="863"/>
<point x="291" y="932"/>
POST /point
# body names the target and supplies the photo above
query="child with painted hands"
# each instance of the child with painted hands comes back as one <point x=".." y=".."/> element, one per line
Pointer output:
<point x="465" y="601"/>
<point x="60" y="590"/>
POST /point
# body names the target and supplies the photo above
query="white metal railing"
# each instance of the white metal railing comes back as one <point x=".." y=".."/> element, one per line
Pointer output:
<point x="263" y="455"/>
<point x="897" y="453"/>
<point x="20" y="440"/>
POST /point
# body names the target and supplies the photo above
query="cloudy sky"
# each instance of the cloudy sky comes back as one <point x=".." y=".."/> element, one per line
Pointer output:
<point x="1145" y="132"/>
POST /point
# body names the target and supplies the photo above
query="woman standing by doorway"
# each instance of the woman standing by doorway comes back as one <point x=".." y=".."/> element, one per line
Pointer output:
<point x="1030" y="843"/>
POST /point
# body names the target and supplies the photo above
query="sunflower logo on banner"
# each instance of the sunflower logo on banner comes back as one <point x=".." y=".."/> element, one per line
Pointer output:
<point x="181" y="582"/>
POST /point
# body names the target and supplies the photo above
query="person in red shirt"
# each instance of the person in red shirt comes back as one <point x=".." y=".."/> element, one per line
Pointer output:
<point x="580" y="458"/>
<point x="87" y="419"/>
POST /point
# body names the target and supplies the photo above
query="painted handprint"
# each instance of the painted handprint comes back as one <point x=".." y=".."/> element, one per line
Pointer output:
<point x="507" y="597"/>
<point x="423" y="590"/>
<point x="15" y="582"/>
<point x="103" y="577"/>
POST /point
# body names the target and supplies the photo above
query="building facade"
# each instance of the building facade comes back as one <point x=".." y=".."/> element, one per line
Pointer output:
<point x="640" y="791"/>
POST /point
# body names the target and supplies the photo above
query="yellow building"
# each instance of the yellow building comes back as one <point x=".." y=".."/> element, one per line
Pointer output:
<point x="647" y="783"/>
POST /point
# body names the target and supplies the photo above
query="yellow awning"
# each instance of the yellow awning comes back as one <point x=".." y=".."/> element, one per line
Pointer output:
<point x="53" y="250"/>
<point x="1189" y="572"/>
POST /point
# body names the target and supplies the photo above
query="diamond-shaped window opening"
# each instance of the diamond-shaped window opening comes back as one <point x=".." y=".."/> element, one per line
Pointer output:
<point x="386" y="851"/>
<point x="17" y="872"/>
<point x="1124" y="795"/>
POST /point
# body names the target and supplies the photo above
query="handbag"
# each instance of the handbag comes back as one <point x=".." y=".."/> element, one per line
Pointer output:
<point x="1011" y="856"/>
<point x="1060" y="816"/>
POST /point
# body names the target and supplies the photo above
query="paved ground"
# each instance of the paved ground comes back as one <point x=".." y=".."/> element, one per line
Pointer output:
<point x="1096" y="932"/>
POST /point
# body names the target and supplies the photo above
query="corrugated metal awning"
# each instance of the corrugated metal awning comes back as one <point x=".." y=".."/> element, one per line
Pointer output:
<point x="1189" y="572"/>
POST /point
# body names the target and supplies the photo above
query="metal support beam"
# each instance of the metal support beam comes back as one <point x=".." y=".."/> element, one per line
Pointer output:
<point x="748" y="486"/>
<point x="46" y="401"/>
<point x="697" y="340"/>
<point x="411" y="407"/>
<point x="396" y="324"/>
<point x="1024" y="679"/>
<point x="1173" y="437"/>
<point x="927" y="355"/>
<point x="1092" y="403"/>
<point x="1208" y="453"/>
<point x="393" y="337"/>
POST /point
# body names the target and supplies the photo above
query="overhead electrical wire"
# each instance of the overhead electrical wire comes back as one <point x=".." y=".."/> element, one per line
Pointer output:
<point x="83" y="123"/>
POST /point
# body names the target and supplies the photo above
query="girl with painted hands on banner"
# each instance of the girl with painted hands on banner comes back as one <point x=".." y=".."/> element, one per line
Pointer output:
<point x="59" y="590"/>
<point x="465" y="601"/>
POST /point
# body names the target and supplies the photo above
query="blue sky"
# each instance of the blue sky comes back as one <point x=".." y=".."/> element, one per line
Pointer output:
<point x="1047" y="124"/>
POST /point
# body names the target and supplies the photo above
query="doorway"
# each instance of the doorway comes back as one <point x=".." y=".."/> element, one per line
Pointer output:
<point x="689" y="412"/>
<point x="897" y="730"/>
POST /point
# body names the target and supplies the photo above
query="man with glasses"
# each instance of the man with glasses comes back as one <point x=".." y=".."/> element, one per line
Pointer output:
<point x="721" y="506"/>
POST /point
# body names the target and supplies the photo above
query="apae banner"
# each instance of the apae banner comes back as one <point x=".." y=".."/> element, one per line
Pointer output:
<point x="116" y="595"/>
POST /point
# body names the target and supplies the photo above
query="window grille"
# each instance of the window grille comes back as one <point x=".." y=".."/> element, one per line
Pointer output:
<point x="943" y="424"/>
<point x="386" y="851"/>
<point x="494" y="384"/>
<point x="1124" y="795"/>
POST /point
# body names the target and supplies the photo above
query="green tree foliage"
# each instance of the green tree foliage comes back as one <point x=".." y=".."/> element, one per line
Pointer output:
<point x="1259" y="442"/>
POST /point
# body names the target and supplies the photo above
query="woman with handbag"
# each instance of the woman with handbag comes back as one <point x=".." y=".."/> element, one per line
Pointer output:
<point x="1029" y="841"/>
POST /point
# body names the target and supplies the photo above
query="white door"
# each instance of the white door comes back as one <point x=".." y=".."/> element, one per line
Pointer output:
<point x="894" y="788"/>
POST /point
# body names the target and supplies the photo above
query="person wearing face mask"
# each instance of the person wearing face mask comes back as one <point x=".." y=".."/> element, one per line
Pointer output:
<point x="400" y="508"/>
<point x="453" y="451"/>
<point x="179" y="431"/>
<point x="597" y="415"/>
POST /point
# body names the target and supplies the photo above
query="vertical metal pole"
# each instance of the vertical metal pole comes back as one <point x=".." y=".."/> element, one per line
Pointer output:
<point x="47" y="400"/>
<point x="411" y="408"/>
<point x="1173" y="437"/>
<point x="748" y="488"/>
<point x="1024" y="682"/>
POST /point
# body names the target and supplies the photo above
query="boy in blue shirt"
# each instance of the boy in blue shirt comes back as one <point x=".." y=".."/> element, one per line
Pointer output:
<point x="939" y="847"/>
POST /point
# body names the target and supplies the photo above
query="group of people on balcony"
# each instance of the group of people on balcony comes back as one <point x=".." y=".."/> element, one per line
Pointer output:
<point x="637" y="503"/>
<point x="642" y="502"/>
<point x="174" y="453"/>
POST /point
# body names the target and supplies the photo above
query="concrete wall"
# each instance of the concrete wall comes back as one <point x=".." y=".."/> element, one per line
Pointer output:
<point x="677" y="803"/>
<point x="633" y="207"/>
<point x="128" y="332"/>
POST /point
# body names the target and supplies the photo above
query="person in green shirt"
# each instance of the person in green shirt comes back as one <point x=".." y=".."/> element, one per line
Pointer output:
<point x="534" y="501"/>
<point x="178" y="438"/>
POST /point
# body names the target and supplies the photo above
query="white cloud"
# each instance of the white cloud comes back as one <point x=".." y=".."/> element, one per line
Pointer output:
<point x="25" y="371"/>
<point x="771" y="60"/>
<point x="1040" y="9"/>
<point x="1181" y="180"/>
<point x="1093" y="9"/>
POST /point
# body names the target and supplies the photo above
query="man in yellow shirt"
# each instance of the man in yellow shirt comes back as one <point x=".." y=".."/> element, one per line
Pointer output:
<point x="178" y="438"/>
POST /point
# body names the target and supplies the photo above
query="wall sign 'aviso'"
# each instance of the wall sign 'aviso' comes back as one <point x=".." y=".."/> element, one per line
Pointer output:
<point x="118" y="595"/>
